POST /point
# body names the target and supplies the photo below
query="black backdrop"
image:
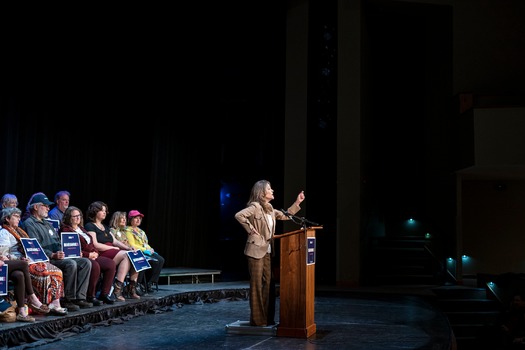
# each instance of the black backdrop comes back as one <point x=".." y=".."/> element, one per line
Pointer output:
<point x="148" y="108"/>
<point x="161" y="108"/>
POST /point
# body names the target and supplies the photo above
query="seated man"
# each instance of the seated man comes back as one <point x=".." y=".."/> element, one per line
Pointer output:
<point x="62" y="202"/>
<point x="76" y="271"/>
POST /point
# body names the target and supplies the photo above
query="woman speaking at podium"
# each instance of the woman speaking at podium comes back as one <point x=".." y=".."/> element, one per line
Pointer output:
<point x="258" y="219"/>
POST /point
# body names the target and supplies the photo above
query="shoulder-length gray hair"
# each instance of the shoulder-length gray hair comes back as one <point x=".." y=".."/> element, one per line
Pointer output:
<point x="8" y="212"/>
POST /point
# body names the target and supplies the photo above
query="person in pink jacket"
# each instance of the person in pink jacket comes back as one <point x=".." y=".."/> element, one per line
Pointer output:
<point x="259" y="219"/>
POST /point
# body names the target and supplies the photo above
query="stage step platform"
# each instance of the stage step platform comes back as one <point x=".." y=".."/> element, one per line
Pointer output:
<point x="194" y="273"/>
<point x="243" y="327"/>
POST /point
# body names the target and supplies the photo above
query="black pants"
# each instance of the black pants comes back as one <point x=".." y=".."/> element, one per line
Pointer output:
<point x="152" y="275"/>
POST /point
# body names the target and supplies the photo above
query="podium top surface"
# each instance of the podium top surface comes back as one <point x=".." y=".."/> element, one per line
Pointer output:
<point x="298" y="231"/>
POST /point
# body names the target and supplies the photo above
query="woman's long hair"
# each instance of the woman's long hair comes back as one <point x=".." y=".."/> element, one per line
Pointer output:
<point x="258" y="194"/>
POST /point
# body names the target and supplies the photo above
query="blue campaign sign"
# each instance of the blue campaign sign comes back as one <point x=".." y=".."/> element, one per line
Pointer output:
<point x="3" y="279"/>
<point x="54" y="223"/>
<point x="139" y="261"/>
<point x="34" y="251"/>
<point x="71" y="245"/>
<point x="310" y="256"/>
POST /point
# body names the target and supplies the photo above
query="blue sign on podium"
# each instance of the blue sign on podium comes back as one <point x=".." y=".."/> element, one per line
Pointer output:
<point x="310" y="256"/>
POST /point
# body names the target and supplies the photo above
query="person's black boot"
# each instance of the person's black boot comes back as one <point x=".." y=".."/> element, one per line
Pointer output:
<point x="106" y="299"/>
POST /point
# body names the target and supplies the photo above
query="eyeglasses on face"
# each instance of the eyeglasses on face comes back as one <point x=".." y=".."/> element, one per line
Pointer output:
<point x="76" y="216"/>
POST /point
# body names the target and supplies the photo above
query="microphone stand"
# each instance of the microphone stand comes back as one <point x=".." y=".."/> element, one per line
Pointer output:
<point x="303" y="222"/>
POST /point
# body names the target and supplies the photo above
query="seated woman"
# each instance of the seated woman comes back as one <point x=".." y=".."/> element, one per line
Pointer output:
<point x="117" y="226"/>
<point x="46" y="278"/>
<point x="112" y="248"/>
<point x="73" y="222"/>
<point x="9" y="200"/>
<point x="18" y="272"/>
<point x="138" y="240"/>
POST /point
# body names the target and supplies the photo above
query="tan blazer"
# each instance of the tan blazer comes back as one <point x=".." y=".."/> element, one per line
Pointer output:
<point x="254" y="217"/>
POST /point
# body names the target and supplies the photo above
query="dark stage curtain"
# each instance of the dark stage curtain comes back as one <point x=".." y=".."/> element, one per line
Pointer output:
<point x="185" y="191"/>
<point x="151" y="110"/>
<point x="128" y="157"/>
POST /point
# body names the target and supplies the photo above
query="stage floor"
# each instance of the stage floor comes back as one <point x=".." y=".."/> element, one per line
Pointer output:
<point x="200" y="316"/>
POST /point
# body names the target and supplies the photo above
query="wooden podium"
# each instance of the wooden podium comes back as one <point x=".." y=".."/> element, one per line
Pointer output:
<point x="297" y="283"/>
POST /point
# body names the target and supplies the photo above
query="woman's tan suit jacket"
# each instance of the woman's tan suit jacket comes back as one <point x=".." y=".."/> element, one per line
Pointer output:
<point x="254" y="217"/>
